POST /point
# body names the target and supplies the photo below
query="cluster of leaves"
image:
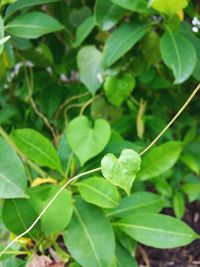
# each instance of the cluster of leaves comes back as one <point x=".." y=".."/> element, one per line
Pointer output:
<point x="87" y="84"/>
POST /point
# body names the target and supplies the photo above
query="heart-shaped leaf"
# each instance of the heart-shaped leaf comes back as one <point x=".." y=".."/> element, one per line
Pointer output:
<point x="122" y="171"/>
<point x="87" y="142"/>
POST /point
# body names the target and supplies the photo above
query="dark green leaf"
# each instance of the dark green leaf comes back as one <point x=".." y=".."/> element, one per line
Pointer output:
<point x="37" y="147"/>
<point x="32" y="25"/>
<point x="122" y="40"/>
<point x="58" y="216"/>
<point x="18" y="215"/>
<point x="13" y="180"/>
<point x="98" y="191"/>
<point x="155" y="230"/>
<point x="18" y="5"/>
<point x="84" y="30"/>
<point x="137" y="203"/>
<point x="87" y="235"/>
<point x="178" y="54"/>
<point x="136" y="5"/>
<point x="159" y="160"/>
<point x="107" y="14"/>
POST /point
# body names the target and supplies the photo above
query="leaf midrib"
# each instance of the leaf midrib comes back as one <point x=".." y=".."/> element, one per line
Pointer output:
<point x="88" y="236"/>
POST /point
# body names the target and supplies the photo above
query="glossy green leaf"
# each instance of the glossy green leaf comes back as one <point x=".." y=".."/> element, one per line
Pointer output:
<point x="122" y="171"/>
<point x="178" y="205"/>
<point x="117" y="89"/>
<point x="156" y="230"/>
<point x="84" y="30"/>
<point x="59" y="214"/>
<point x="86" y="141"/>
<point x="136" y="5"/>
<point x="18" y="215"/>
<point x="13" y="180"/>
<point x="192" y="190"/>
<point x="37" y="148"/>
<point x="18" y="5"/>
<point x="32" y="25"/>
<point x="178" y="54"/>
<point x="138" y="202"/>
<point x="89" y="61"/>
<point x="159" y="160"/>
<point x="168" y="7"/>
<point x="190" y="161"/>
<point x="87" y="234"/>
<point x="100" y="192"/>
<point x="107" y="14"/>
<point x="124" y="258"/>
<point x="121" y="41"/>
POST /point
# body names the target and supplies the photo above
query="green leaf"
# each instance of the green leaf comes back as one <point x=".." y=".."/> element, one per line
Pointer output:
<point x="140" y="6"/>
<point x="33" y="25"/>
<point x="136" y="203"/>
<point x="12" y="262"/>
<point x="192" y="190"/>
<point x="156" y="230"/>
<point x="190" y="161"/>
<point x="89" y="61"/>
<point x="159" y="160"/>
<point x="122" y="171"/>
<point x="178" y="205"/>
<point x="121" y="41"/>
<point x="124" y="258"/>
<point x="59" y="214"/>
<point x="85" y="141"/>
<point x="117" y="89"/>
<point x="13" y="180"/>
<point x="84" y="30"/>
<point x="37" y="148"/>
<point x="87" y="235"/>
<point x="18" y="215"/>
<point x="168" y="7"/>
<point x="99" y="192"/>
<point x="18" y="5"/>
<point x="107" y="14"/>
<point x="1" y="34"/>
<point x="178" y="54"/>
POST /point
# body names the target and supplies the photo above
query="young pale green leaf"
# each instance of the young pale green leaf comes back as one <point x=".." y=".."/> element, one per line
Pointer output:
<point x="122" y="171"/>
<point x="33" y="25"/>
<point x="107" y="14"/>
<point x="87" y="234"/>
<point x="89" y="61"/>
<point x="124" y="258"/>
<point x="18" y="215"/>
<point x="139" y="6"/>
<point x="137" y="203"/>
<point x="87" y="142"/>
<point x="168" y="7"/>
<point x="4" y="40"/>
<point x="100" y="192"/>
<point x="117" y="89"/>
<point x="156" y="230"/>
<point x="18" y="5"/>
<point x="122" y="40"/>
<point x="178" y="54"/>
<point x="178" y="205"/>
<point x="84" y="30"/>
<point x="59" y="214"/>
<point x="159" y="160"/>
<point x="13" y="180"/>
<point x="37" y="148"/>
